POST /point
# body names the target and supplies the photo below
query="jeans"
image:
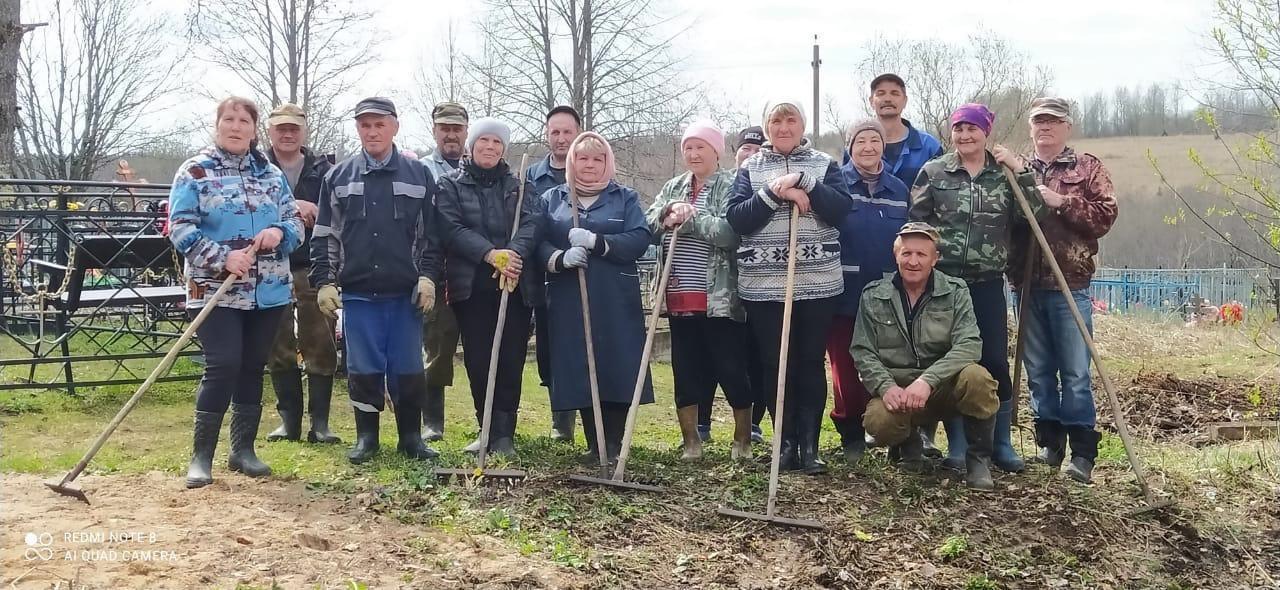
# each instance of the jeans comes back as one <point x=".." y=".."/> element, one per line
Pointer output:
<point x="1057" y="359"/>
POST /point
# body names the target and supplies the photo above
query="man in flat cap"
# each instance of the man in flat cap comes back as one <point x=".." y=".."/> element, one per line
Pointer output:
<point x="371" y="242"/>
<point x="312" y="333"/>
<point x="916" y="345"/>
<point x="449" y="125"/>
<point x="1078" y="191"/>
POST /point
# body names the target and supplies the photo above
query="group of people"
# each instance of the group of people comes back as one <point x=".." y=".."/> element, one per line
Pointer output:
<point x="898" y="280"/>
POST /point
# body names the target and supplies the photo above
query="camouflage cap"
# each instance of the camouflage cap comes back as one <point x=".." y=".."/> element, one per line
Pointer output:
<point x="449" y="113"/>
<point x="1052" y="106"/>
<point x="287" y="113"/>
<point x="920" y="228"/>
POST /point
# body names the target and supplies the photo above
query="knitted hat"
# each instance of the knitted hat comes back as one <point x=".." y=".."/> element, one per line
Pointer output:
<point x="752" y="135"/>
<point x="798" y="105"/>
<point x="488" y="126"/>
<point x="975" y="114"/>
<point x="706" y="131"/>
<point x="867" y="124"/>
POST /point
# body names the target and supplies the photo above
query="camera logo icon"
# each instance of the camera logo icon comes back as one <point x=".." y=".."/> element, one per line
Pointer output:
<point x="39" y="546"/>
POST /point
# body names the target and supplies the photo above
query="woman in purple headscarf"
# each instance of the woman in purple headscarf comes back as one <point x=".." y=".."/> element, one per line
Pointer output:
<point x="965" y="195"/>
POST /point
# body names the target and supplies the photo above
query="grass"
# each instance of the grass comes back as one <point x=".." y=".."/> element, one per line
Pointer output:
<point x="1037" y="524"/>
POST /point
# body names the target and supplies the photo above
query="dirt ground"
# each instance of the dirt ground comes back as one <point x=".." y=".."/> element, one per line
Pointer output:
<point x="234" y="532"/>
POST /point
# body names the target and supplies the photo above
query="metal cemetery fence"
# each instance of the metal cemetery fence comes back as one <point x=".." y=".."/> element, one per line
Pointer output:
<point x="1172" y="289"/>
<point x="88" y="284"/>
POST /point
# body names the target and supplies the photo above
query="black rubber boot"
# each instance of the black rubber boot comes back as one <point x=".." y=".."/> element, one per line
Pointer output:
<point x="1051" y="438"/>
<point x="789" y="450"/>
<point x="205" y="442"/>
<point x="288" y="386"/>
<point x="615" y="424"/>
<point x="433" y="414"/>
<point x="366" y="437"/>
<point x="502" y="434"/>
<point x="244" y="429"/>
<point x="927" y="432"/>
<point x="910" y="453"/>
<point x="591" y="457"/>
<point x="853" y="439"/>
<point x="408" y="421"/>
<point x="1084" y="452"/>
<point x="321" y="391"/>
<point x="810" y="421"/>
<point x="562" y="425"/>
<point x="980" y="436"/>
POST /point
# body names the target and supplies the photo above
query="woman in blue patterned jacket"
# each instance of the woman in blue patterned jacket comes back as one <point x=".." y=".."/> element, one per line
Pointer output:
<point x="231" y="212"/>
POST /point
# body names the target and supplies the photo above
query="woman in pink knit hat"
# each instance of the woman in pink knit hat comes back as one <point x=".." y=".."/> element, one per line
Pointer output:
<point x="708" y="329"/>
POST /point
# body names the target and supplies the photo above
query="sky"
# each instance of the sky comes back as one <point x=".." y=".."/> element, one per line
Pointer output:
<point x="752" y="50"/>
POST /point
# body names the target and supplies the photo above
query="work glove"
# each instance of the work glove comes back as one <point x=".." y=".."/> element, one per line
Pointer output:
<point x="582" y="237"/>
<point x="576" y="257"/>
<point x="426" y="295"/>
<point x="501" y="260"/>
<point x="329" y="300"/>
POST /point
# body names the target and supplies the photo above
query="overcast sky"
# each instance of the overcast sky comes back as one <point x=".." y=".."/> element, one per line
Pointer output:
<point x="752" y="50"/>
<point x="755" y="49"/>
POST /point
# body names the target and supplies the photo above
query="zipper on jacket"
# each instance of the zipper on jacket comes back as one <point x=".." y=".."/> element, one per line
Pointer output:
<point x="968" y="232"/>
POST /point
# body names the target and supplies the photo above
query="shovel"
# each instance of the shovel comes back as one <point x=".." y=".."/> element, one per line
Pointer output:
<point x="770" y="516"/>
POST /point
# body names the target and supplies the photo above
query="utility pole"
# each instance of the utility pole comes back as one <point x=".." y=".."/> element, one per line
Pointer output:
<point x="817" y="63"/>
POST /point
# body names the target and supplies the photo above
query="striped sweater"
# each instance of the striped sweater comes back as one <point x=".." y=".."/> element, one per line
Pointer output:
<point x="763" y="220"/>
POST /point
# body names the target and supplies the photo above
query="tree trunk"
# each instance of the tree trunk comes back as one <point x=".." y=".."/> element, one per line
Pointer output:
<point x="10" y="43"/>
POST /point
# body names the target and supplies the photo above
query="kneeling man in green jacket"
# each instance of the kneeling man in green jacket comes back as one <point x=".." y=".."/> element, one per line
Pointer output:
<point x="916" y="345"/>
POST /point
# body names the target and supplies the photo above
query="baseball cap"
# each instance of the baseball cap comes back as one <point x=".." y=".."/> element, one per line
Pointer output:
<point x="376" y="105"/>
<point x="287" y="113"/>
<point x="753" y="134"/>
<point x="920" y="228"/>
<point x="887" y="77"/>
<point x="449" y="113"/>
<point x="1052" y="106"/>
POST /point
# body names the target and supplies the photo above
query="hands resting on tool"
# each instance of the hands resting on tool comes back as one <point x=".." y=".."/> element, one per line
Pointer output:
<point x="507" y="266"/>
<point x="575" y="257"/>
<point x="912" y="398"/>
<point x="786" y="187"/>
<point x="677" y="214"/>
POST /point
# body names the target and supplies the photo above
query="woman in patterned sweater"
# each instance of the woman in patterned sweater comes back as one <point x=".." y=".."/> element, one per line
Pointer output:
<point x="787" y="173"/>
<point x="708" y="329"/>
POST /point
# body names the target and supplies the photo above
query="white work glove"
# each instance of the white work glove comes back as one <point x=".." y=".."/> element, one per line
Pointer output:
<point x="575" y="257"/>
<point x="582" y="237"/>
<point x="329" y="301"/>
<point x="426" y="294"/>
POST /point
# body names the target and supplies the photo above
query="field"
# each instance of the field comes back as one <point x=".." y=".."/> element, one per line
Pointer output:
<point x="319" y="522"/>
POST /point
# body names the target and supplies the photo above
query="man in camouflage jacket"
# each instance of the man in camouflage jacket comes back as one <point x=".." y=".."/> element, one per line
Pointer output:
<point x="1082" y="207"/>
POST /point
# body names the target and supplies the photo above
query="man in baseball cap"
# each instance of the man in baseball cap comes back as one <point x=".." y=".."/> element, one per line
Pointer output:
<point x="749" y="142"/>
<point x="932" y="374"/>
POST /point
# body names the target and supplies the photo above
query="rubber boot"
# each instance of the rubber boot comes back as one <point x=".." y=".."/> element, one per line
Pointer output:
<point x="473" y="448"/>
<point x="321" y="396"/>
<point x="615" y="424"/>
<point x="1084" y="452"/>
<point x="704" y="421"/>
<point x="502" y="434"/>
<point x="244" y="429"/>
<point x="408" y="421"/>
<point x="789" y="451"/>
<point x="742" y="435"/>
<point x="910" y="454"/>
<point x="811" y="462"/>
<point x="562" y="425"/>
<point x="853" y="438"/>
<point x="591" y="457"/>
<point x="956" y="444"/>
<point x="1002" y="454"/>
<point x="1051" y="438"/>
<point x="433" y="414"/>
<point x="366" y="437"/>
<point x="757" y="434"/>
<point x="204" y="443"/>
<point x="691" y="442"/>
<point x="980" y="436"/>
<point x="927" y="434"/>
<point x="288" y="386"/>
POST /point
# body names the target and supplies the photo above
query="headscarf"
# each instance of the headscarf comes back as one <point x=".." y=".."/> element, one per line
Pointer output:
<point x="585" y="189"/>
<point x="798" y="105"/>
<point x="975" y="114"/>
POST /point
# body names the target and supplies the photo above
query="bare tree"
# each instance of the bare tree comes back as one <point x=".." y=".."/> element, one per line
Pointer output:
<point x="941" y="76"/>
<point x="85" y="84"/>
<point x="301" y="51"/>
<point x="610" y="59"/>
<point x="11" y="32"/>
